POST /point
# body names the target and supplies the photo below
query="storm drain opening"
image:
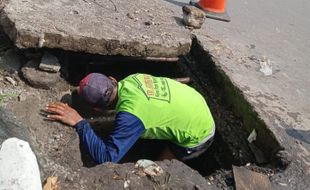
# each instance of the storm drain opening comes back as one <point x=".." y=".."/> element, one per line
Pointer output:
<point x="241" y="138"/>
<point x="231" y="145"/>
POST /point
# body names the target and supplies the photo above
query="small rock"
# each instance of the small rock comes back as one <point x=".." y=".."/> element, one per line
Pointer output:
<point x="193" y="17"/>
<point x="49" y="63"/>
<point x="148" y="23"/>
<point x="252" y="46"/>
<point x="282" y="184"/>
<point x="37" y="78"/>
<point x="145" y="37"/>
<point x="149" y="167"/>
<point x="69" y="178"/>
<point x="56" y="137"/>
<point x="74" y="12"/>
<point x="253" y="58"/>
<point x="129" y="15"/>
<point x="10" y="80"/>
<point x="21" y="97"/>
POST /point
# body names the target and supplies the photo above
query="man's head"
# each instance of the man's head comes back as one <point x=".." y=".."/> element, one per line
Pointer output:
<point x="98" y="90"/>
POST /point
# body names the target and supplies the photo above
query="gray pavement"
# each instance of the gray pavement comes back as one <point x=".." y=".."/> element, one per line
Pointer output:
<point x="277" y="32"/>
<point x="132" y="28"/>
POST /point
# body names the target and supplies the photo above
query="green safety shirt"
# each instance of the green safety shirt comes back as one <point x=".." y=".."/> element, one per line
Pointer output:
<point x="169" y="110"/>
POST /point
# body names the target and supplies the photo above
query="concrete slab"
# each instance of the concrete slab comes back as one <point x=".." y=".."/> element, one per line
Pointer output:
<point x="107" y="27"/>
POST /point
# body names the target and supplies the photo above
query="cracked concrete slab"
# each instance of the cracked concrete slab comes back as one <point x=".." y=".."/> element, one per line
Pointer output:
<point x="107" y="27"/>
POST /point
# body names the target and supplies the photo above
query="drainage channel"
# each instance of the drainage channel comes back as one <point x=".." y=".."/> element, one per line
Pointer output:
<point x="231" y="146"/>
<point x="234" y="117"/>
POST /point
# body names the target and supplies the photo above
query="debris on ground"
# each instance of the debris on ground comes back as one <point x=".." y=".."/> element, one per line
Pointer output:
<point x="11" y="81"/>
<point x="38" y="78"/>
<point x="252" y="136"/>
<point x="177" y="175"/>
<point x="49" y="63"/>
<point x="220" y="179"/>
<point x="149" y="167"/>
<point x="265" y="66"/>
<point x="51" y="184"/>
<point x="193" y="17"/>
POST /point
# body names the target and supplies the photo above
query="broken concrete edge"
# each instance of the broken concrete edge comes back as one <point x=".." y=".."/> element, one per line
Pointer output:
<point x="27" y="39"/>
<point x="266" y="139"/>
<point x="247" y="179"/>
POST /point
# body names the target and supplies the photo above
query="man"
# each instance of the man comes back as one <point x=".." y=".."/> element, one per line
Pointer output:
<point x="147" y="107"/>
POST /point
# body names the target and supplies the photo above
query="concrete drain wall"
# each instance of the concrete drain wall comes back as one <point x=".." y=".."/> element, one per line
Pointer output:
<point x="231" y="146"/>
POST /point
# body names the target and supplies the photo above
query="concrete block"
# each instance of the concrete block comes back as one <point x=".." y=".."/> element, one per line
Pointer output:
<point x="38" y="78"/>
<point x="98" y="27"/>
<point x="49" y="63"/>
<point x="19" y="168"/>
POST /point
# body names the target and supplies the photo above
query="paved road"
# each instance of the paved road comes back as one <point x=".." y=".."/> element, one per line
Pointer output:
<point x="280" y="31"/>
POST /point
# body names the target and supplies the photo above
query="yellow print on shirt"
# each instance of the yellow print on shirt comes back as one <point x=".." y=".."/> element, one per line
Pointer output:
<point x="153" y="87"/>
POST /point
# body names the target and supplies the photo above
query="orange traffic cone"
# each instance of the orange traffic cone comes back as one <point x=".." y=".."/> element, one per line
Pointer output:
<point x="214" y="9"/>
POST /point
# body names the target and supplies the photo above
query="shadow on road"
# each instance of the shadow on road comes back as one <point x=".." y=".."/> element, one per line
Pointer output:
<point x="176" y="3"/>
<point x="299" y="134"/>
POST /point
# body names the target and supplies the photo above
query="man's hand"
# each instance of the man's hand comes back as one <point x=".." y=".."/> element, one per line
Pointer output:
<point x="64" y="113"/>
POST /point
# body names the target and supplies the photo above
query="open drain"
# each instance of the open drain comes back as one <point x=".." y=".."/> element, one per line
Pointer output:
<point x="197" y="69"/>
<point x="231" y="146"/>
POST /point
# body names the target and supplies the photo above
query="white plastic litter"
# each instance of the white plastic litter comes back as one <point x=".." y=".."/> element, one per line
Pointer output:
<point x="265" y="67"/>
<point x="149" y="167"/>
<point x="126" y="184"/>
<point x="252" y="136"/>
<point x="18" y="166"/>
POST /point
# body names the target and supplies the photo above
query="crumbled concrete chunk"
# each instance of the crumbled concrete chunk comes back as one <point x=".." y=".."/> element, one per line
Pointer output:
<point x="193" y="17"/>
<point x="49" y="63"/>
<point x="38" y="78"/>
<point x="10" y="80"/>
